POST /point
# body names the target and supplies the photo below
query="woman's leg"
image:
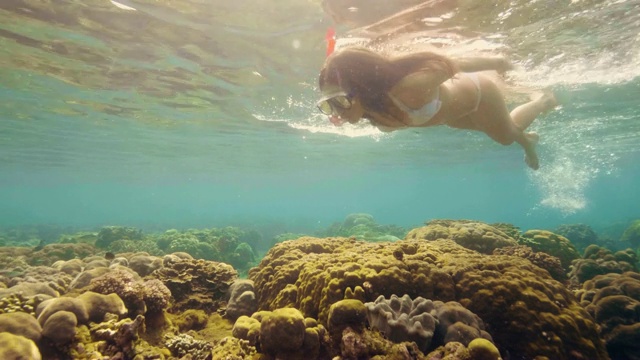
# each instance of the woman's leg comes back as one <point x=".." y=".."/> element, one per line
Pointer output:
<point x="524" y="114"/>
<point x="494" y="119"/>
<point x="476" y="64"/>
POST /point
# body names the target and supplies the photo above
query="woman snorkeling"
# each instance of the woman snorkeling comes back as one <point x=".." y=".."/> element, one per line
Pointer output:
<point x="426" y="89"/>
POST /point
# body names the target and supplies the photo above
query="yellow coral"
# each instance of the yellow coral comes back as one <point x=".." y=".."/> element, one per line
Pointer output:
<point x="483" y="349"/>
<point x="527" y="311"/>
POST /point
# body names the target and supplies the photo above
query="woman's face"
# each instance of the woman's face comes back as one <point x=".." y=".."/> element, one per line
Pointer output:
<point x="354" y="113"/>
<point x="339" y="114"/>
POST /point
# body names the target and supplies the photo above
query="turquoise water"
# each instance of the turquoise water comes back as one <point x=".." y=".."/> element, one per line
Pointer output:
<point x="202" y="114"/>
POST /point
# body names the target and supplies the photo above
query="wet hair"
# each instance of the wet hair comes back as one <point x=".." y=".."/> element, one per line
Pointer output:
<point x="370" y="76"/>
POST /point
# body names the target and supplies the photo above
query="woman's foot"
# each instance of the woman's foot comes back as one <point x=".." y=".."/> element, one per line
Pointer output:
<point x="548" y="101"/>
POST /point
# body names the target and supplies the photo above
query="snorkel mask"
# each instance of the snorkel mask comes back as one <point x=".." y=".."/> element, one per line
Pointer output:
<point x="334" y="104"/>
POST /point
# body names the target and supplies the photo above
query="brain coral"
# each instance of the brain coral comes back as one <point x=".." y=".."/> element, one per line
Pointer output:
<point x="528" y="313"/>
<point x="472" y="235"/>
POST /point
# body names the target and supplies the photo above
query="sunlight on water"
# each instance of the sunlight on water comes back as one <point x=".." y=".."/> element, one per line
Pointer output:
<point x="319" y="124"/>
<point x="309" y="119"/>
<point x="606" y="69"/>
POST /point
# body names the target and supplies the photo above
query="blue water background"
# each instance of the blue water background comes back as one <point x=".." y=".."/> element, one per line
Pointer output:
<point x="86" y="157"/>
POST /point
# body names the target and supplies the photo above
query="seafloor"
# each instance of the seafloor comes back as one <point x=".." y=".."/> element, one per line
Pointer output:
<point x="452" y="289"/>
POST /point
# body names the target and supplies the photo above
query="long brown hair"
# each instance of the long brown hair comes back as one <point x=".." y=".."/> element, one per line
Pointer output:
<point x="369" y="76"/>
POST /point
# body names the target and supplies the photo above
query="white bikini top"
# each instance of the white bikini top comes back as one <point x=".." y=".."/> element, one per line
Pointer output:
<point x="422" y="115"/>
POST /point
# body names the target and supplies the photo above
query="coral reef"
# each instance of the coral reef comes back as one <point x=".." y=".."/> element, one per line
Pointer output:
<point x="214" y="244"/>
<point x="421" y="321"/>
<point x="528" y="312"/>
<point x="242" y="256"/>
<point x="148" y="246"/>
<point x="600" y="261"/>
<point x="511" y="230"/>
<point x="543" y="260"/>
<point x="109" y="234"/>
<point x="478" y="349"/>
<point x="631" y="235"/>
<point x="117" y="338"/>
<point x="32" y="235"/>
<point x="483" y="349"/>
<point x="72" y="305"/>
<point x="139" y="296"/>
<point x="191" y="319"/>
<point x="472" y="235"/>
<point x="143" y="264"/>
<point x="363" y="227"/>
<point x="29" y="290"/>
<point x="17" y="302"/>
<point x="54" y="279"/>
<point x="286" y="236"/>
<point x="231" y="348"/>
<point x="552" y="244"/>
<point x="402" y="319"/>
<point x="79" y="237"/>
<point x="98" y="305"/>
<point x="457" y="324"/>
<point x="191" y="245"/>
<point x="183" y="344"/>
<point x="60" y="327"/>
<point x="312" y="298"/>
<point x="283" y="333"/>
<point x="89" y="306"/>
<point x="17" y="347"/>
<point x="242" y="299"/>
<point x="196" y="284"/>
<point x="614" y="302"/>
<point x="22" y="324"/>
<point x="580" y="235"/>
<point x="51" y="253"/>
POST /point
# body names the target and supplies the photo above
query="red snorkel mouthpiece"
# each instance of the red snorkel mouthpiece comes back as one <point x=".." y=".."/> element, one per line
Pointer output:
<point x="336" y="120"/>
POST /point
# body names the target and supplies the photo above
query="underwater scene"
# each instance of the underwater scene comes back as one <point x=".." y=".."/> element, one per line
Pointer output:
<point x="320" y="179"/>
